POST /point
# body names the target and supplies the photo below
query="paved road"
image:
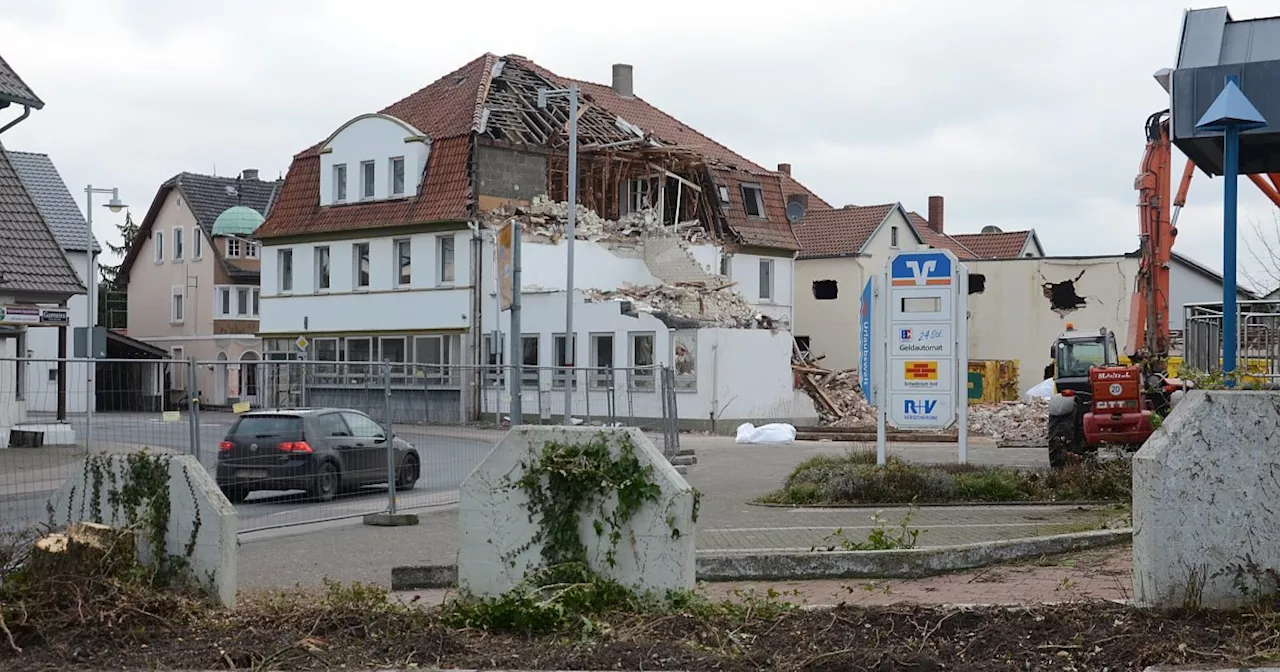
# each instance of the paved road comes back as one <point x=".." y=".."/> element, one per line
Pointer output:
<point x="25" y="487"/>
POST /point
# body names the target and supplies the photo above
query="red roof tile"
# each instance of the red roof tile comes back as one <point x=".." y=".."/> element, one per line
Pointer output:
<point x="1002" y="245"/>
<point x="938" y="240"/>
<point x="839" y="231"/>
<point x="449" y="111"/>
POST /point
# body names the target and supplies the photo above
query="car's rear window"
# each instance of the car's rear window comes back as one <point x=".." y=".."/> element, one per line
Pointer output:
<point x="260" y="425"/>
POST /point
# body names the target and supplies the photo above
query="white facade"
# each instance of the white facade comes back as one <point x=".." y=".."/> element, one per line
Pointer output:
<point x="41" y="388"/>
<point x="1189" y="285"/>
<point x="372" y="157"/>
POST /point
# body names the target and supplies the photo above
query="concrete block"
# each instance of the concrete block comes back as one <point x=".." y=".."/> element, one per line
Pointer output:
<point x="55" y="434"/>
<point x="498" y="543"/>
<point x="1205" y="493"/>
<point x="200" y="524"/>
<point x="384" y="519"/>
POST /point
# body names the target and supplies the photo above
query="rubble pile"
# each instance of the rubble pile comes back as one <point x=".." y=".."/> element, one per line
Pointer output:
<point x="716" y="304"/>
<point x="545" y="219"/>
<point x="836" y="394"/>
<point x="1010" y="420"/>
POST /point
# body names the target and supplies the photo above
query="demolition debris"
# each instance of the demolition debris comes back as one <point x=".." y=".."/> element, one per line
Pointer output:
<point x="544" y="220"/>
<point x="838" y="398"/>
<point x="697" y="303"/>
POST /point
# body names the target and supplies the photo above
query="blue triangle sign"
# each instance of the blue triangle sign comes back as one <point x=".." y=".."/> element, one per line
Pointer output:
<point x="1231" y="108"/>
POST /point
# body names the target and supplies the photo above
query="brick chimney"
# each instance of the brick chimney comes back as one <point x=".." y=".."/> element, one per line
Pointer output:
<point x="935" y="213"/>
<point x="785" y="169"/>
<point x="622" y="82"/>
<point x="249" y="173"/>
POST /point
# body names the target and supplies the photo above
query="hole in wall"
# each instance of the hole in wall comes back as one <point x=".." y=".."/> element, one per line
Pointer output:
<point x="825" y="290"/>
<point x="1062" y="295"/>
<point x="977" y="283"/>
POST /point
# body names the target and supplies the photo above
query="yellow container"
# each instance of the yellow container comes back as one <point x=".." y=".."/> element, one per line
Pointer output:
<point x="993" y="380"/>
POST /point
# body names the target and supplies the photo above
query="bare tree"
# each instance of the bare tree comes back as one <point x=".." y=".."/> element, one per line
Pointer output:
<point x="1263" y="246"/>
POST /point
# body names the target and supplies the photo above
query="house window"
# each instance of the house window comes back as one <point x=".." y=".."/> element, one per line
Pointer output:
<point x="766" y="279"/>
<point x="437" y="358"/>
<point x="753" y="200"/>
<point x="724" y="194"/>
<point x="366" y="179"/>
<point x="326" y="350"/>
<point x="159" y="243"/>
<point x="256" y="293"/>
<point x="197" y="243"/>
<point x="322" y="267"/>
<point x="724" y="265"/>
<point x="233" y="248"/>
<point x="251" y="250"/>
<point x="242" y="302"/>
<point x="397" y="176"/>
<point x="445" y="249"/>
<point x="224" y="301"/>
<point x="176" y="304"/>
<point x="177" y="243"/>
<point x="893" y="236"/>
<point x="529" y="346"/>
<point x="638" y="195"/>
<point x="563" y="360"/>
<point x="404" y="262"/>
<point x="493" y="354"/>
<point x="358" y="350"/>
<point x="640" y="360"/>
<point x="601" y="374"/>
<point x="392" y="349"/>
<point x="340" y="183"/>
<point x="285" y="260"/>
<point x="360" y="263"/>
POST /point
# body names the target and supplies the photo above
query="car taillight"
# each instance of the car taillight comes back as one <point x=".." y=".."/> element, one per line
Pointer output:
<point x="225" y="447"/>
<point x="296" y="447"/>
<point x="1068" y="393"/>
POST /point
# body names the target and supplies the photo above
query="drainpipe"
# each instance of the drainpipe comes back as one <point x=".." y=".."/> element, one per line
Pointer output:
<point x="26" y="112"/>
<point x="715" y="384"/>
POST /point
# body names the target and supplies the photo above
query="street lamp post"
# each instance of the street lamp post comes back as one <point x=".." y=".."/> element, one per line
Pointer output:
<point x="571" y="343"/>
<point x="114" y="205"/>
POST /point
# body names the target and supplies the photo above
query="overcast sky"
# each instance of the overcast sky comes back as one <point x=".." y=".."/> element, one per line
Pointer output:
<point x="1021" y="113"/>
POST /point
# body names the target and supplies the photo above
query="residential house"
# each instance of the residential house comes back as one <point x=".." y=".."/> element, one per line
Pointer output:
<point x="71" y="231"/>
<point x="36" y="280"/>
<point x="841" y="248"/>
<point x="382" y="247"/>
<point x="192" y="277"/>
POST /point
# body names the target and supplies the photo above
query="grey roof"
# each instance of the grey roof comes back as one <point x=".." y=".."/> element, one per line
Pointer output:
<point x="210" y="195"/>
<point x="30" y="258"/>
<point x="1211" y="37"/>
<point x="14" y="90"/>
<point x="53" y="199"/>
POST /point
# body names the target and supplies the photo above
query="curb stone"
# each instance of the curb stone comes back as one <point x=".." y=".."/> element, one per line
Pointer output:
<point x="916" y="563"/>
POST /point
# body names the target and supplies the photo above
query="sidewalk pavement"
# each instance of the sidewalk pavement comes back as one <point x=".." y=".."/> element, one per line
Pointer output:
<point x="728" y="475"/>
<point x="1103" y="574"/>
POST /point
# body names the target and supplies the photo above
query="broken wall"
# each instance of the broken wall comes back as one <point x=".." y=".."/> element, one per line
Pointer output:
<point x="1026" y="303"/>
<point x="508" y="176"/>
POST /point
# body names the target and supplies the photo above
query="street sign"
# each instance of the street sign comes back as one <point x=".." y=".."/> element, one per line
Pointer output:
<point x="927" y="328"/>
<point x="301" y="342"/>
<point x="34" y="315"/>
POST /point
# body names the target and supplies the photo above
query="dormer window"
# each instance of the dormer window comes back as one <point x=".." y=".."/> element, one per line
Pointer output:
<point x="340" y="183"/>
<point x="397" y="176"/>
<point x="753" y="200"/>
<point x="366" y="179"/>
<point x="233" y="248"/>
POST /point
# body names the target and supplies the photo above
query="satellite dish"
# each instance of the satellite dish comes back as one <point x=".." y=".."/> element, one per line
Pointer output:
<point x="795" y="212"/>
<point x="990" y="228"/>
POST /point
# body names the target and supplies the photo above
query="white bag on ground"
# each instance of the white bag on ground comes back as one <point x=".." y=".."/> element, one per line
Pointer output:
<point x="779" y="433"/>
<point x="1042" y="390"/>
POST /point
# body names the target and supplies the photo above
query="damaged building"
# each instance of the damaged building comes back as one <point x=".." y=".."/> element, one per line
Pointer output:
<point x="382" y="247"/>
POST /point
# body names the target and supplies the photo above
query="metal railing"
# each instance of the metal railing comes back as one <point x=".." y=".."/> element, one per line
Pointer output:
<point x="1258" y="338"/>
<point x="449" y="417"/>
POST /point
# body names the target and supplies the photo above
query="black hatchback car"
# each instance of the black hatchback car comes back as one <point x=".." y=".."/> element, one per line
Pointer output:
<point x="320" y="450"/>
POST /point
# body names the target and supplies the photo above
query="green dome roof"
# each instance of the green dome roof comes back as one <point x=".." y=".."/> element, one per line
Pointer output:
<point x="237" y="221"/>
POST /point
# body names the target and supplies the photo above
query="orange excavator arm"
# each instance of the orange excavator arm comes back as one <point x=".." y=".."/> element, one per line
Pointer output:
<point x="1148" y="335"/>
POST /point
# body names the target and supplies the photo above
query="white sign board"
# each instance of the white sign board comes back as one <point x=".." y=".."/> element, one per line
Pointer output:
<point x="925" y="308"/>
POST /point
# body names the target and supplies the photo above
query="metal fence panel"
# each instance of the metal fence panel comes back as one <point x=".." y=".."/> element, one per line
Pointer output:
<point x="450" y="417"/>
<point x="1258" y="339"/>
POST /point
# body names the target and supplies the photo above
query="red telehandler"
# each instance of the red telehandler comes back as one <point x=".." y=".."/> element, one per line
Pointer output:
<point x="1099" y="400"/>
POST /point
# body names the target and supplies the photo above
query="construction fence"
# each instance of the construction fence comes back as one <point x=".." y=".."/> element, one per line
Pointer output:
<point x="421" y="428"/>
<point x="1258" y="339"/>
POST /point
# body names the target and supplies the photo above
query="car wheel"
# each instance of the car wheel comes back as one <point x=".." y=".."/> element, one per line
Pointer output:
<point x="407" y="474"/>
<point x="325" y="483"/>
<point x="235" y="494"/>
<point x="1062" y="437"/>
